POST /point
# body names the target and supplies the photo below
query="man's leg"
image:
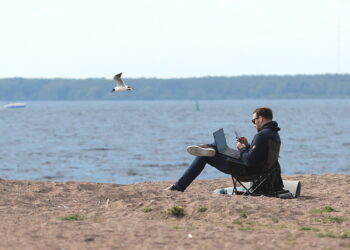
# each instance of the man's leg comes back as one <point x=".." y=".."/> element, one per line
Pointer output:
<point x="226" y="166"/>
<point x="219" y="161"/>
<point x="191" y="173"/>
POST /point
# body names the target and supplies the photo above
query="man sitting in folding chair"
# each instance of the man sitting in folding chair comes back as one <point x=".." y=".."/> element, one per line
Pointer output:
<point x="258" y="162"/>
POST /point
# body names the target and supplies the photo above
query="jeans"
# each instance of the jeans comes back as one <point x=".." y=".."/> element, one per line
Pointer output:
<point x="219" y="161"/>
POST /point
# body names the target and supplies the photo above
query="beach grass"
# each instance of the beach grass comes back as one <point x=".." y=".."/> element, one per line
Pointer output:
<point x="331" y="219"/>
<point x="146" y="210"/>
<point x="73" y="217"/>
<point x="243" y="214"/>
<point x="326" y="209"/>
<point x="310" y="229"/>
<point x="202" y="209"/>
<point x="177" y="211"/>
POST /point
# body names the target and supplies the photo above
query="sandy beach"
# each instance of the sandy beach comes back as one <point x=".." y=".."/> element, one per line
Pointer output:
<point x="77" y="215"/>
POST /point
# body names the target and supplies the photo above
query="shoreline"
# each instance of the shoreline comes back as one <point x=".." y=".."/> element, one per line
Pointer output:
<point x="84" y="215"/>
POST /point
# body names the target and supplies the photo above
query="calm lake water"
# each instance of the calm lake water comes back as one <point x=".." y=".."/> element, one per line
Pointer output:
<point x="127" y="142"/>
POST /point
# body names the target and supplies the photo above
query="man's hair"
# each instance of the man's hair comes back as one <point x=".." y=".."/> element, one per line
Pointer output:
<point x="264" y="112"/>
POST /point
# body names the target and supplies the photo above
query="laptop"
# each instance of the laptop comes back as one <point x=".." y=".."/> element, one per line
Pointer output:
<point x="221" y="144"/>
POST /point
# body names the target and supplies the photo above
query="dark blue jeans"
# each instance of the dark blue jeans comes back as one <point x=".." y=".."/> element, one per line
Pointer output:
<point x="219" y="161"/>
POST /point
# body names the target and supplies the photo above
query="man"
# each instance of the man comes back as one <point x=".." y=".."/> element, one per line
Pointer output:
<point x="254" y="156"/>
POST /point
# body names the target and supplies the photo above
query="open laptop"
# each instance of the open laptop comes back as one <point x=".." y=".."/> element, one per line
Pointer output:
<point x="221" y="144"/>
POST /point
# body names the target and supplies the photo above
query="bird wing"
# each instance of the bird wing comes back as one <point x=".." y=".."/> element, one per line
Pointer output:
<point x="118" y="79"/>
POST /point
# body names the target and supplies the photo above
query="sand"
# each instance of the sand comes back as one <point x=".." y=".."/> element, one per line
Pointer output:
<point x="76" y="215"/>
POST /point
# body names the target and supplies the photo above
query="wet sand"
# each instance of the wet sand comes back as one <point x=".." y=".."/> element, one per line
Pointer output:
<point x="76" y="215"/>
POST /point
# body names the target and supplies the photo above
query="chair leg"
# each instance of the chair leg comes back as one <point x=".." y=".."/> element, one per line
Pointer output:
<point x="261" y="180"/>
<point x="234" y="190"/>
<point x="251" y="190"/>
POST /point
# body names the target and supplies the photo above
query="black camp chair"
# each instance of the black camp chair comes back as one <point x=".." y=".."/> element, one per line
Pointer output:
<point x="251" y="184"/>
<point x="262" y="183"/>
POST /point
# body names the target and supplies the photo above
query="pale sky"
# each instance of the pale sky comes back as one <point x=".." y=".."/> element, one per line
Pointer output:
<point x="173" y="38"/>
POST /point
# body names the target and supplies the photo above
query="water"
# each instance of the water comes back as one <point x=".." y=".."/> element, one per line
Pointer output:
<point x="127" y="142"/>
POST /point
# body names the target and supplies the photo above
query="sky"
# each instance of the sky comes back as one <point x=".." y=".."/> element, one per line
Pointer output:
<point x="173" y="38"/>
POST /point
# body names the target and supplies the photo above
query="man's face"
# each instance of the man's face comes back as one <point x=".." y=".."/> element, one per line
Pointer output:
<point x="257" y="120"/>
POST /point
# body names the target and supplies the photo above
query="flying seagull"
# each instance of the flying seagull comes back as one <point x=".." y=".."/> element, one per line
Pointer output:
<point x="121" y="86"/>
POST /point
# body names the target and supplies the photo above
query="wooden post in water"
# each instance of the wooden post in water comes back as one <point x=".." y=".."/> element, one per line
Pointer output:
<point x="197" y="106"/>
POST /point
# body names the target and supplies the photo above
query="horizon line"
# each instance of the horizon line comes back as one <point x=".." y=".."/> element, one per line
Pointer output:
<point x="187" y="77"/>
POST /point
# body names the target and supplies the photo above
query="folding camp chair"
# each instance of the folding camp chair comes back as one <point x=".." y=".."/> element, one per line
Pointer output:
<point x="266" y="177"/>
<point x="292" y="190"/>
<point x="254" y="183"/>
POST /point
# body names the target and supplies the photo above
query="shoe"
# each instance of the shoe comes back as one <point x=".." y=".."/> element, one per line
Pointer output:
<point x="173" y="188"/>
<point x="200" y="151"/>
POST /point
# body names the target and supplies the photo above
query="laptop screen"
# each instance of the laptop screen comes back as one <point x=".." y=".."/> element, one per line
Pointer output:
<point x="220" y="139"/>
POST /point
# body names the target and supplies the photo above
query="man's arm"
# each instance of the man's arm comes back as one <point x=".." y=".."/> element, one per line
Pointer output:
<point x="256" y="153"/>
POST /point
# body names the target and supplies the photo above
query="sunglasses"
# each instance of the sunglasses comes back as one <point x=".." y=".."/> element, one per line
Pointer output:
<point x="253" y="121"/>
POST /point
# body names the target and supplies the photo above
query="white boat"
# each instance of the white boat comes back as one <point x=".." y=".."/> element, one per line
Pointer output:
<point x="14" y="105"/>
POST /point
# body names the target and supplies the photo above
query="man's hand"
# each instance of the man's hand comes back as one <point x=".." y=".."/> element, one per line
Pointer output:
<point x="243" y="140"/>
<point x="240" y="145"/>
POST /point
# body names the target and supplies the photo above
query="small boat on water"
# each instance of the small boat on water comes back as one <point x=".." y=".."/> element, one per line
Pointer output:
<point x="14" y="105"/>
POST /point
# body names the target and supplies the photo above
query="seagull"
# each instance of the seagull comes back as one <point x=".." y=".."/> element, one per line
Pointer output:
<point x="121" y="86"/>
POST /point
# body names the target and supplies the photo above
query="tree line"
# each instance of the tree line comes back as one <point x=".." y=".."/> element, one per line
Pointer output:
<point x="201" y="88"/>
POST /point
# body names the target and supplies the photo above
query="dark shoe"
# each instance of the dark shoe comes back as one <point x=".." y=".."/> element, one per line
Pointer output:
<point x="201" y="151"/>
<point x="173" y="188"/>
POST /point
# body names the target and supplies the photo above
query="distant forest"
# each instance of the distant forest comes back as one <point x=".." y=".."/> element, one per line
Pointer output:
<point x="204" y="88"/>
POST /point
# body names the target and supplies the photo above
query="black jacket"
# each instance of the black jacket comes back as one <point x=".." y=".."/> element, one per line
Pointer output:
<point x="263" y="152"/>
<point x="255" y="156"/>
